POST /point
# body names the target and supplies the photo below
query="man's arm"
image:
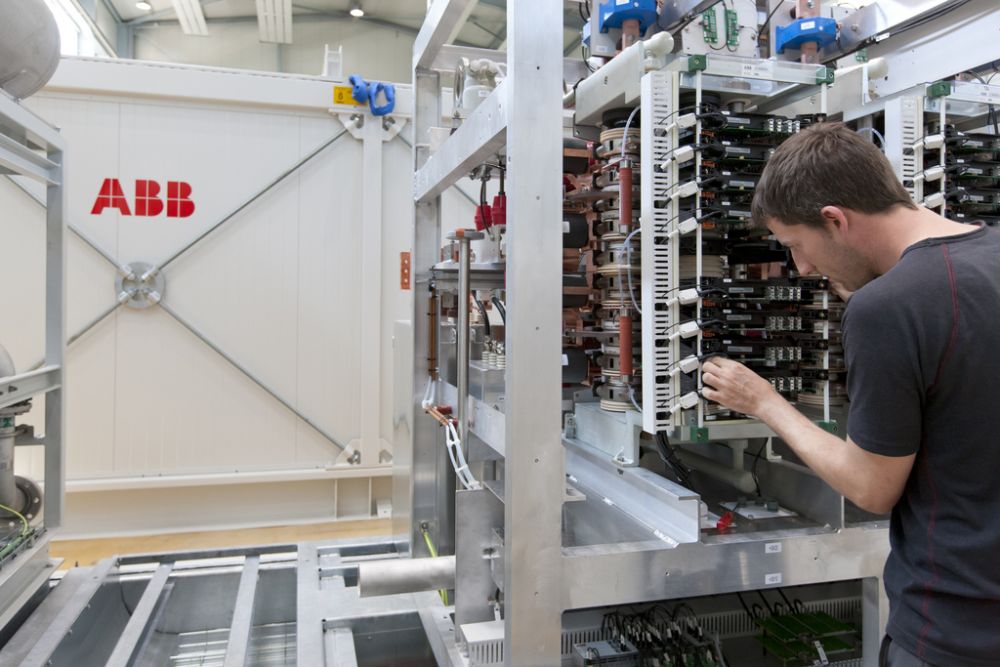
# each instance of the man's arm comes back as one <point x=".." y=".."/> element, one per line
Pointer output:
<point x="871" y="481"/>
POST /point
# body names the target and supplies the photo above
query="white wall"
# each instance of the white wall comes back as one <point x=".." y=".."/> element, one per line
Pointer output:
<point x="373" y="51"/>
<point x="159" y="425"/>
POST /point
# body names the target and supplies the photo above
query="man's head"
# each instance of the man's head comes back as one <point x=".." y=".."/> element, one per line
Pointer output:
<point x="822" y="195"/>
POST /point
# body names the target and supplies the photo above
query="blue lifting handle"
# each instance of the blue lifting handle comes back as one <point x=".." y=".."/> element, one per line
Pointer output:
<point x="388" y="91"/>
<point x="359" y="89"/>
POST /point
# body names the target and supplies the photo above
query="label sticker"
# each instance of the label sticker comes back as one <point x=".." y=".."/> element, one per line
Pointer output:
<point x="772" y="548"/>
<point x="342" y="95"/>
<point x="808" y="25"/>
<point x="772" y="579"/>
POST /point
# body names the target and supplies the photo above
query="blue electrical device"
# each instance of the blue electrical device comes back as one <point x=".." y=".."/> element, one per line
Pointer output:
<point x="817" y="29"/>
<point x="615" y="12"/>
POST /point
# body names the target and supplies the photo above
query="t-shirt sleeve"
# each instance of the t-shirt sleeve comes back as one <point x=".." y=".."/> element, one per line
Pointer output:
<point x="884" y="382"/>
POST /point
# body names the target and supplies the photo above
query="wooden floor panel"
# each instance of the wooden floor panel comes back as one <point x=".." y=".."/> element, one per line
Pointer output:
<point x="88" y="552"/>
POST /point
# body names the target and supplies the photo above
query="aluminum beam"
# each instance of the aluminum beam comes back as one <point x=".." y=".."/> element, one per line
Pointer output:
<point x="21" y="387"/>
<point x="17" y="158"/>
<point x="68" y="614"/>
<point x="242" y="624"/>
<point x="533" y="474"/>
<point x="140" y="623"/>
<point x="647" y="572"/>
<point x="443" y="19"/>
<point x="19" y="119"/>
<point x="481" y="135"/>
<point x="667" y="509"/>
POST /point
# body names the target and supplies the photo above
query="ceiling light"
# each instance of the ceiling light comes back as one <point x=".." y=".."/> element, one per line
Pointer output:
<point x="143" y="5"/>
<point x="356" y="10"/>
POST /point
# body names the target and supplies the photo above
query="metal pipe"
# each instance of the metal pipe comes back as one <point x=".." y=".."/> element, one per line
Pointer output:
<point x="414" y="575"/>
<point x="464" y="237"/>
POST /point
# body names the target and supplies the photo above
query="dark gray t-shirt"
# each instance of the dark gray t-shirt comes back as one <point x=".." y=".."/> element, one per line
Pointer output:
<point x="922" y="345"/>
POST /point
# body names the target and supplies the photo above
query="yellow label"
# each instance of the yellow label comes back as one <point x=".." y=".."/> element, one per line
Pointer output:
<point x="342" y="95"/>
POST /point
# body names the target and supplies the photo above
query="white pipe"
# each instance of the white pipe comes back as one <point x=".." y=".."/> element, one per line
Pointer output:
<point x="411" y="575"/>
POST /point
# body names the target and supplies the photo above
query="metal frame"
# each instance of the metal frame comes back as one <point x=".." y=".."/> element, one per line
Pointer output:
<point x="540" y="577"/>
<point x="31" y="147"/>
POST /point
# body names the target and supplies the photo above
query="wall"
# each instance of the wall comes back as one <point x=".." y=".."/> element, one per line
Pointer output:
<point x="375" y="52"/>
<point x="163" y="433"/>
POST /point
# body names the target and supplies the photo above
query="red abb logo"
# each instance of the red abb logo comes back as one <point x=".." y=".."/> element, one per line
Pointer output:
<point x="147" y="200"/>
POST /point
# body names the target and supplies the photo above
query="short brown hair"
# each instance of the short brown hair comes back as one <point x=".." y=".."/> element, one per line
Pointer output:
<point x="827" y="164"/>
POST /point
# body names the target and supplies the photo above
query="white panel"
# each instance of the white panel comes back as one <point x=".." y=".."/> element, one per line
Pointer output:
<point x="91" y="131"/>
<point x="180" y="407"/>
<point x="135" y="512"/>
<point x="90" y="404"/>
<point x="329" y="368"/>
<point x="225" y="156"/>
<point x="397" y="237"/>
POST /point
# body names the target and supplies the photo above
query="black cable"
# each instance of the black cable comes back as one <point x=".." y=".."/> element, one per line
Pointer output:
<point x="763" y="26"/>
<point x="766" y="603"/>
<point x="486" y="318"/>
<point x="785" y="598"/>
<point x="745" y="607"/>
<point x="753" y="468"/>
<point x="500" y="307"/>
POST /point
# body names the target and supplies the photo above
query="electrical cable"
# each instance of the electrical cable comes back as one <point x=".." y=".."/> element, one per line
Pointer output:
<point x="874" y="133"/>
<point x="432" y="550"/>
<point x="763" y="26"/>
<point x="24" y="521"/>
<point x="486" y="317"/>
<point x="500" y="307"/>
<point x="753" y="468"/>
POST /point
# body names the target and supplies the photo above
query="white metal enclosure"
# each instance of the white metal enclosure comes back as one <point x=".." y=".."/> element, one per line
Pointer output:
<point x="301" y="288"/>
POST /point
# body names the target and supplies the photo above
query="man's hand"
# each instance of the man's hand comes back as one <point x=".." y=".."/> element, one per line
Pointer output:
<point x="736" y="387"/>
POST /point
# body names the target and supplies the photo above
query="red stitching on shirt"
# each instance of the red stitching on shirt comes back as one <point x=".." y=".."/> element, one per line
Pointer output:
<point x="952" y="339"/>
<point x="932" y="519"/>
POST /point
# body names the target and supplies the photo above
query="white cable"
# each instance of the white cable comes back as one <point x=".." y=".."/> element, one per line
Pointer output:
<point x="874" y="132"/>
<point x="627" y="243"/>
<point x="628" y="123"/>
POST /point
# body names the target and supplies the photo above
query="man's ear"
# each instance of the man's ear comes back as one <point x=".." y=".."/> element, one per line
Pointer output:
<point x="835" y="220"/>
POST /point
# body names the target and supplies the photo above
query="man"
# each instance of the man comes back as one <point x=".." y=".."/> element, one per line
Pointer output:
<point x="922" y="346"/>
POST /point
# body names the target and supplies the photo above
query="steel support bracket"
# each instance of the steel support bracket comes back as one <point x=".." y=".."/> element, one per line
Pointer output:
<point x="825" y="75"/>
<point x="354" y="123"/>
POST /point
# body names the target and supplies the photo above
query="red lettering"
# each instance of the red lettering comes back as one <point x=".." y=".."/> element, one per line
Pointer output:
<point x="111" y="196"/>
<point x="179" y="204"/>
<point x="146" y="200"/>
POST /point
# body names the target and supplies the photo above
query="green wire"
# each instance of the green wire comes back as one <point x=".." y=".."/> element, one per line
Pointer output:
<point x="434" y="552"/>
<point x="20" y="538"/>
<point x="24" y="522"/>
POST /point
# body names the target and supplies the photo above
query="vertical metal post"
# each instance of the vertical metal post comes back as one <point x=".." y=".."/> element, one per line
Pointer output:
<point x="533" y="476"/>
<point x="371" y="290"/>
<point x="430" y="497"/>
<point x="55" y="339"/>
<point x="462" y="334"/>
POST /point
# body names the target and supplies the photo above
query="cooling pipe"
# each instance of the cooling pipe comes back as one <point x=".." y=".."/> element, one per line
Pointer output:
<point x="29" y="47"/>
<point x="411" y="575"/>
